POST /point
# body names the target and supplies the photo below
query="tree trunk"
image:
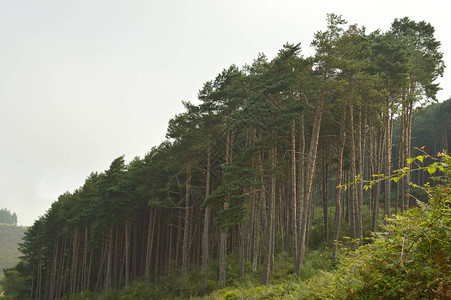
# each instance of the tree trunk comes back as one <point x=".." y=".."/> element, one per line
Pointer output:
<point x="186" y="233"/>
<point x="356" y="216"/>
<point x="150" y="241"/>
<point x="270" y="230"/>
<point x="379" y="146"/>
<point x="223" y="234"/>
<point x="310" y="170"/>
<point x="127" y="229"/>
<point x="338" y="192"/>
<point x="388" y="155"/>
<point x="325" y="192"/>
<point x="300" y="196"/>
<point x="206" y="232"/>
<point x="109" y="261"/>
<point x="294" y="199"/>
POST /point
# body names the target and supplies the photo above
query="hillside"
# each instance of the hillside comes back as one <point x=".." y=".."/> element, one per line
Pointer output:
<point x="255" y="181"/>
<point x="10" y="236"/>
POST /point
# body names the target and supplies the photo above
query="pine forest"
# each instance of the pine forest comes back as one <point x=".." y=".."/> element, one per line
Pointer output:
<point x="254" y="171"/>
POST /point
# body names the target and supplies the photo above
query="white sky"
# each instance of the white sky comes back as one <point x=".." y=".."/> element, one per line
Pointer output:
<point x="83" y="82"/>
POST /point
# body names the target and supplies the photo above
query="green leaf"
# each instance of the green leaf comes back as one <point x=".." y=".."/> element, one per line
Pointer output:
<point x="410" y="160"/>
<point x="396" y="179"/>
<point x="431" y="170"/>
<point x="420" y="158"/>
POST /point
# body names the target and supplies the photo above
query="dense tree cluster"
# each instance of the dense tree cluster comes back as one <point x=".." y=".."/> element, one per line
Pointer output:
<point x="243" y="170"/>
<point x="432" y="127"/>
<point x="7" y="218"/>
<point x="409" y="259"/>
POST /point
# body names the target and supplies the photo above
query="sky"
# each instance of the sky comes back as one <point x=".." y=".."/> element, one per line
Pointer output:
<point x="84" y="82"/>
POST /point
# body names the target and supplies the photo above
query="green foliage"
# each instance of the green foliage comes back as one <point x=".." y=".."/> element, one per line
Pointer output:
<point x="410" y="260"/>
<point x="15" y="284"/>
<point x="6" y="217"/>
<point x="10" y="237"/>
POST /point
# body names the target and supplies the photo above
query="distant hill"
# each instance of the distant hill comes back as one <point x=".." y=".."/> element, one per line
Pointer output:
<point x="10" y="237"/>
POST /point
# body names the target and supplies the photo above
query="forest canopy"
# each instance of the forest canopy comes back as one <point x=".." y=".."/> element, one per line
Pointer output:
<point x="244" y="169"/>
<point x="7" y="218"/>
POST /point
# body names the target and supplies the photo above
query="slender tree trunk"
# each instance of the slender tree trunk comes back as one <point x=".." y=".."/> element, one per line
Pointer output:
<point x="325" y="192"/>
<point x="407" y="178"/>
<point x="159" y="245"/>
<point x="109" y="266"/>
<point x="127" y="230"/>
<point x="300" y="196"/>
<point x="74" y="269"/>
<point x="388" y="156"/>
<point x="53" y="281"/>
<point x="379" y="151"/>
<point x="223" y="234"/>
<point x="338" y="192"/>
<point x="261" y="216"/>
<point x="269" y="240"/>
<point x="85" y="260"/>
<point x="206" y="232"/>
<point x="245" y="227"/>
<point x="179" y="240"/>
<point x="186" y="234"/>
<point x="150" y="242"/>
<point x="310" y="170"/>
<point x="359" y="169"/>
<point x="361" y="151"/>
<point x="294" y="199"/>
<point x="356" y="217"/>
<point x="88" y="280"/>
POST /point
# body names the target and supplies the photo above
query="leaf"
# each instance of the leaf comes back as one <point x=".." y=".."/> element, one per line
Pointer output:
<point x="410" y="160"/>
<point x="420" y="158"/>
<point x="431" y="170"/>
<point x="396" y="179"/>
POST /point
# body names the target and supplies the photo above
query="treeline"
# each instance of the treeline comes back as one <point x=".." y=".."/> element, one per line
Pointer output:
<point x="242" y="170"/>
<point x="432" y="127"/>
<point x="431" y="133"/>
<point x="7" y="218"/>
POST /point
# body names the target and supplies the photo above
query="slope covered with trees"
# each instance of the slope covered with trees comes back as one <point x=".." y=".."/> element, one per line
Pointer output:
<point x="243" y="171"/>
<point x="10" y="237"/>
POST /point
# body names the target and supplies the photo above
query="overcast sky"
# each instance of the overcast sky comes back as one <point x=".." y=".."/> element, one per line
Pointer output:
<point x="83" y="82"/>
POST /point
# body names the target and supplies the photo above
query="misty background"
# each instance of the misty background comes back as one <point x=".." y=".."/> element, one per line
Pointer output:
<point x="83" y="82"/>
